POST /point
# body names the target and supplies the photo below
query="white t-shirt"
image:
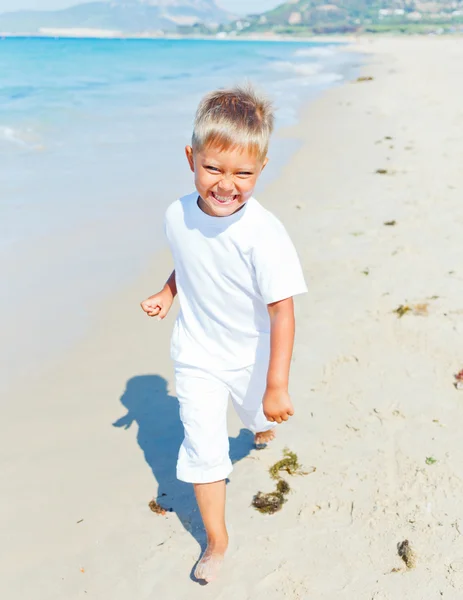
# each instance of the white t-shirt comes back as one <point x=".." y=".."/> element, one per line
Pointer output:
<point x="228" y="269"/>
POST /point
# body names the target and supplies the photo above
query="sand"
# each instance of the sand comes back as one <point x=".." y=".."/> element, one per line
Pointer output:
<point x="90" y="441"/>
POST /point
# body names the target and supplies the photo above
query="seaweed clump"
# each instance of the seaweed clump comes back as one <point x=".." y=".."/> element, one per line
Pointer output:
<point x="417" y="309"/>
<point x="402" y="310"/>
<point x="272" y="502"/>
<point x="459" y="380"/>
<point x="157" y="508"/>
<point x="407" y="554"/>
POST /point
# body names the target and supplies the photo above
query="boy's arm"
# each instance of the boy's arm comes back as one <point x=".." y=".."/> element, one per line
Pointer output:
<point x="277" y="404"/>
<point x="125" y="421"/>
<point x="159" y="304"/>
<point x="172" y="284"/>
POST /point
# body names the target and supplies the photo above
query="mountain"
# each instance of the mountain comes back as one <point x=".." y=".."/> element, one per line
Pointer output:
<point x="294" y="17"/>
<point x="127" y="16"/>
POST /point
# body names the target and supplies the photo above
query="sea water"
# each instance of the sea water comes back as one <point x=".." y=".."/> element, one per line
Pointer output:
<point x="92" y="136"/>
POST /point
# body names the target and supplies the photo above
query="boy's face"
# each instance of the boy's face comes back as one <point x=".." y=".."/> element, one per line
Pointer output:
<point x="225" y="179"/>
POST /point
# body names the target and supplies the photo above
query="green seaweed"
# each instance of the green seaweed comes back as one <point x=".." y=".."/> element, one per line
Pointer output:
<point x="289" y="463"/>
<point x="272" y="502"/>
<point x="402" y="310"/>
<point x="283" y="487"/>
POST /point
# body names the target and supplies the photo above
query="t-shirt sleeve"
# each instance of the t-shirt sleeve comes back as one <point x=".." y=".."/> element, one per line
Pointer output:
<point x="277" y="268"/>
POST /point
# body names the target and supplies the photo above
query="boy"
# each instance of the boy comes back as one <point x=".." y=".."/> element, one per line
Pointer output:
<point x="236" y="272"/>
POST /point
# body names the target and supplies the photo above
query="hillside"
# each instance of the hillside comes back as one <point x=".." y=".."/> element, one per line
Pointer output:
<point x="128" y="16"/>
<point x="352" y="15"/>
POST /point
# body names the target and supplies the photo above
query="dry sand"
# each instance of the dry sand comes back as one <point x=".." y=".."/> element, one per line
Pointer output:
<point x="373" y="392"/>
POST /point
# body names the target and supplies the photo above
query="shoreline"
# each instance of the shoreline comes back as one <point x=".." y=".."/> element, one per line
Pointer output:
<point x="335" y="38"/>
<point x="373" y="393"/>
<point x="61" y="34"/>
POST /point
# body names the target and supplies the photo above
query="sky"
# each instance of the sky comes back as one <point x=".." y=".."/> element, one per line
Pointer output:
<point x="235" y="6"/>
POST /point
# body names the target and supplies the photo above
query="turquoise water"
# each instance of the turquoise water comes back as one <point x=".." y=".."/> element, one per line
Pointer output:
<point x="83" y="122"/>
<point x="91" y="152"/>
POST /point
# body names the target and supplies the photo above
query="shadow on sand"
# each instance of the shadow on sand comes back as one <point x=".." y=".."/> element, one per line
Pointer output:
<point x="160" y="434"/>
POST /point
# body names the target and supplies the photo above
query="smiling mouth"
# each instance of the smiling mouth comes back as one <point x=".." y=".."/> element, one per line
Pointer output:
<point x="224" y="199"/>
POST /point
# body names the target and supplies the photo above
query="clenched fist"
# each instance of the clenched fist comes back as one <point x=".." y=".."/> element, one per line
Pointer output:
<point x="159" y="304"/>
<point x="277" y="405"/>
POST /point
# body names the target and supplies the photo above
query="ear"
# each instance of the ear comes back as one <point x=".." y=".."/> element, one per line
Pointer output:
<point x="190" y="157"/>
<point x="264" y="164"/>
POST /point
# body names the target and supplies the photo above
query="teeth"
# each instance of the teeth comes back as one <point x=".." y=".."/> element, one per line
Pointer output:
<point x="223" y="198"/>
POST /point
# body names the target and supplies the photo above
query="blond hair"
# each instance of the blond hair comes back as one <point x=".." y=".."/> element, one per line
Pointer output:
<point x="238" y="117"/>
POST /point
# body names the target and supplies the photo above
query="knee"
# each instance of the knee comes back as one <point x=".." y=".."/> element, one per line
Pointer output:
<point x="203" y="462"/>
<point x="205" y="453"/>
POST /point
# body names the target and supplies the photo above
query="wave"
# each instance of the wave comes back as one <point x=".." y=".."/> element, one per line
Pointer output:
<point x="8" y="134"/>
<point x="175" y="76"/>
<point x="326" y="78"/>
<point x="320" y="80"/>
<point x="25" y="92"/>
<point x="305" y="69"/>
<point x="317" y="51"/>
<point x="18" y="138"/>
<point x="17" y="92"/>
<point x="311" y="73"/>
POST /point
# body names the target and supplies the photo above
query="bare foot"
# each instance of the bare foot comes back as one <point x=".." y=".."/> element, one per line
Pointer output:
<point x="262" y="438"/>
<point x="210" y="564"/>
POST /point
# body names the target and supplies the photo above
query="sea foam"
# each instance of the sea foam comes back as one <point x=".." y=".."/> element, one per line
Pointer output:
<point x="19" y="137"/>
<point x="316" y="52"/>
<point x="9" y="134"/>
<point x="304" y="69"/>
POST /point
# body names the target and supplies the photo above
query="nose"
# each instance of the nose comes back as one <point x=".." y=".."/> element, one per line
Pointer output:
<point x="226" y="184"/>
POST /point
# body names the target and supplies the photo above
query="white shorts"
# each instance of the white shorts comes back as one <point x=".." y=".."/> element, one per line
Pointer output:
<point x="203" y="397"/>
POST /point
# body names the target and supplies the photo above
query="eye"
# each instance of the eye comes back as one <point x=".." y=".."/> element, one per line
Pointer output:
<point x="244" y="173"/>
<point x="211" y="168"/>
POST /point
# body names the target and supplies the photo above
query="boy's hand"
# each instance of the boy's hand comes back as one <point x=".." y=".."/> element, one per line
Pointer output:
<point x="277" y="405"/>
<point x="159" y="304"/>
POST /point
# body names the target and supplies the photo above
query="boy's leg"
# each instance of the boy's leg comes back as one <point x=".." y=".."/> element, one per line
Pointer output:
<point x="211" y="502"/>
<point x="203" y="458"/>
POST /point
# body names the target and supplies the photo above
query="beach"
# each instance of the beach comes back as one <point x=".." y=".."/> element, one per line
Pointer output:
<point x="371" y="199"/>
